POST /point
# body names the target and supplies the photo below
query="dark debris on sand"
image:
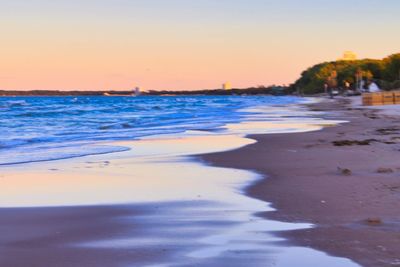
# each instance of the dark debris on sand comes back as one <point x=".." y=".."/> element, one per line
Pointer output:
<point x="354" y="142"/>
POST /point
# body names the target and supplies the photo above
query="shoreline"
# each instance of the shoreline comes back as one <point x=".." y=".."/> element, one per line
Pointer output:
<point x="306" y="180"/>
<point x="216" y="221"/>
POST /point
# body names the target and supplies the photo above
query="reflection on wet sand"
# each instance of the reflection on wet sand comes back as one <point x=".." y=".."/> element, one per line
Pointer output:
<point x="152" y="171"/>
<point x="202" y="216"/>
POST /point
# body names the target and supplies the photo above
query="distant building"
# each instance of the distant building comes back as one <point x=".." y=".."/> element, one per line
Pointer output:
<point x="348" y="55"/>
<point x="137" y="90"/>
<point x="227" y="86"/>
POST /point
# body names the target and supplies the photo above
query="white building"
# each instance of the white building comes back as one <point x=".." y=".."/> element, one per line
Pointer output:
<point x="137" y="90"/>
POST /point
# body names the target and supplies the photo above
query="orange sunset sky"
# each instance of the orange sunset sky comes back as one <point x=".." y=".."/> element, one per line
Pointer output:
<point x="184" y="44"/>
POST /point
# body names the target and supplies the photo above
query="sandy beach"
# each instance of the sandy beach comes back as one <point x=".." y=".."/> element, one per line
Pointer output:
<point x="349" y="189"/>
<point x="194" y="211"/>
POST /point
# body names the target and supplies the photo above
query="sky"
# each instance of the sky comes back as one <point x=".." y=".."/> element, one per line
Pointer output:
<point x="184" y="44"/>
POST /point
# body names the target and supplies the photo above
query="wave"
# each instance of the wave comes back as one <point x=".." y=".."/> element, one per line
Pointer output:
<point x="21" y="156"/>
<point x="39" y="126"/>
<point x="16" y="103"/>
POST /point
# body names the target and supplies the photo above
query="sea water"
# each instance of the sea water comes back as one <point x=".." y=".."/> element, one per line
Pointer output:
<point x="49" y="128"/>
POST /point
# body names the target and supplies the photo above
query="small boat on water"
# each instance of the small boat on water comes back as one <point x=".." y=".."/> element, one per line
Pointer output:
<point x="111" y="94"/>
<point x="135" y="92"/>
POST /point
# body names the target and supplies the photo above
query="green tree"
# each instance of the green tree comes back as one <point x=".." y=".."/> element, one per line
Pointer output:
<point x="385" y="72"/>
<point x="392" y="68"/>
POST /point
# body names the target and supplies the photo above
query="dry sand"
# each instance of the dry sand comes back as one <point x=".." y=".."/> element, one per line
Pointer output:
<point x="351" y="192"/>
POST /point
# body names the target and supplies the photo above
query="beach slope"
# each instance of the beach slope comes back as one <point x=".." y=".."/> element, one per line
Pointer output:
<point x="344" y="179"/>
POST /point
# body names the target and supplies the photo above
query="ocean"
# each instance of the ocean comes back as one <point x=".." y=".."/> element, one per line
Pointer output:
<point x="50" y="128"/>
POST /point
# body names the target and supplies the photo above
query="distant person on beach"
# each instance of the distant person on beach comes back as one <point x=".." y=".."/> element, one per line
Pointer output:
<point x="362" y="87"/>
<point x="347" y="89"/>
<point x="346" y="85"/>
<point x="332" y="92"/>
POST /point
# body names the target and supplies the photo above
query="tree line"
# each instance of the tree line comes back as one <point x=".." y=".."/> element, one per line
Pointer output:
<point x="385" y="73"/>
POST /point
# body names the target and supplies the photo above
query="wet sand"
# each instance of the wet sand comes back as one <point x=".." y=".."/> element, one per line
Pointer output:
<point x="154" y="205"/>
<point x="41" y="236"/>
<point x="117" y="235"/>
<point x="350" y="191"/>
